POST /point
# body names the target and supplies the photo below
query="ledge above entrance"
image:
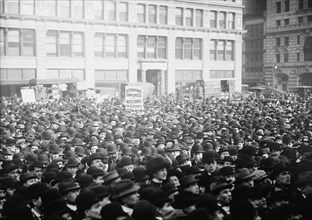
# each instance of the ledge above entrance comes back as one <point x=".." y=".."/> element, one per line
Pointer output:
<point x="152" y="64"/>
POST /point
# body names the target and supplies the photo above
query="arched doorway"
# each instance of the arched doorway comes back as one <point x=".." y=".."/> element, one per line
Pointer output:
<point x="281" y="80"/>
<point x="307" y="49"/>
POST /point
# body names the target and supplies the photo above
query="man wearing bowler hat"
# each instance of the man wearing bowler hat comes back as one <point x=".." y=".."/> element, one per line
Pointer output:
<point x="189" y="184"/>
<point x="157" y="169"/>
<point x="126" y="192"/>
<point x="222" y="190"/>
<point x="69" y="191"/>
<point x="211" y="169"/>
<point x="88" y="206"/>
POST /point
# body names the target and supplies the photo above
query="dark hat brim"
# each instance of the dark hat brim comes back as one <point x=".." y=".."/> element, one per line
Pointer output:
<point x="154" y="169"/>
<point x="127" y="192"/>
<point x="245" y="178"/>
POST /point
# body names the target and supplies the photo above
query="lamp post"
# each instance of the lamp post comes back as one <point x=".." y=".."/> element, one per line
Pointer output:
<point x="274" y="74"/>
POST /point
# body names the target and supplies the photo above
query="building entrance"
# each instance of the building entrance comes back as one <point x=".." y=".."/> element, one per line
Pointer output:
<point x="153" y="76"/>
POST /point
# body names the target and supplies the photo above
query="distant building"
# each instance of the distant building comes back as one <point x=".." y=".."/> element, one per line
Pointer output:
<point x="107" y="43"/>
<point x="288" y="60"/>
<point x="254" y="42"/>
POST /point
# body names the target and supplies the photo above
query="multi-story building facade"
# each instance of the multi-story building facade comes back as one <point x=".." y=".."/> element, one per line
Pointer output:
<point x="107" y="43"/>
<point x="288" y="44"/>
<point x="254" y="42"/>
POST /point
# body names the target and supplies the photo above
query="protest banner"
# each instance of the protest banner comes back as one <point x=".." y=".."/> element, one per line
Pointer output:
<point x="28" y="95"/>
<point x="134" y="97"/>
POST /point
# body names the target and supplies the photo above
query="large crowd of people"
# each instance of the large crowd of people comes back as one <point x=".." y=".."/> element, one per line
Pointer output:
<point x="242" y="158"/>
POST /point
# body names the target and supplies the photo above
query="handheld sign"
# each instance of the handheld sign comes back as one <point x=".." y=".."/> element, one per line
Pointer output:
<point x="134" y="97"/>
<point x="28" y="95"/>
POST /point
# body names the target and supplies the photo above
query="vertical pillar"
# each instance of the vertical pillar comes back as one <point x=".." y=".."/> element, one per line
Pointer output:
<point x="162" y="82"/>
<point x="146" y="13"/>
<point x="143" y="75"/>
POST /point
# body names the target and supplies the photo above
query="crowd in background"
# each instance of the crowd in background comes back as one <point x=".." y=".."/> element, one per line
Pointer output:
<point x="243" y="158"/>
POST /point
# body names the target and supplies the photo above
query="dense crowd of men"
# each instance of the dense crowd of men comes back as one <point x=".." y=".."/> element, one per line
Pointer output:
<point x="243" y="158"/>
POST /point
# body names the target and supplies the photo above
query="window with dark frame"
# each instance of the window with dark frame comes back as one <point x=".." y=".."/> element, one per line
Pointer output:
<point x="287" y="6"/>
<point x="300" y="4"/>
<point x="123" y="11"/>
<point x="278" y="7"/>
<point x="199" y="18"/>
<point x="98" y="9"/>
<point x="13" y="42"/>
<point x="141" y="13"/>
<point x="286" y="41"/>
<point x="278" y="23"/>
<point x="189" y="17"/>
<point x="163" y="14"/>
<point x="152" y="14"/>
<point x="286" y="57"/>
<point x="213" y="19"/>
<point x="179" y="16"/>
<point x="65" y="43"/>
<point x="213" y="49"/>
<point x="221" y="18"/>
<point x="188" y="48"/>
<point x="278" y="41"/>
<point x="300" y="20"/>
<point x="110" y="10"/>
<point x="152" y="47"/>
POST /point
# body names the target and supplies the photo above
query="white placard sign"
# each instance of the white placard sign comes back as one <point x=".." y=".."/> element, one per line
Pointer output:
<point x="28" y="95"/>
<point x="134" y="97"/>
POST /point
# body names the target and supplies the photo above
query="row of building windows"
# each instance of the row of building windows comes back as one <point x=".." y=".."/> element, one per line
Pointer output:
<point x="111" y="75"/>
<point x="17" y="74"/>
<point x="218" y="20"/>
<point x="110" y="10"/>
<point x="104" y="75"/>
<point x="219" y="74"/>
<point x="307" y="52"/>
<point x="17" y="42"/>
<point x="188" y="48"/>
<point x="255" y="30"/>
<point x="287" y="40"/>
<point x="300" y="20"/>
<point x="66" y="73"/>
<point x="286" y="57"/>
<point x="27" y="74"/>
<point x="254" y="71"/>
<point x="188" y="75"/>
<point x="65" y="43"/>
<point x="279" y="6"/>
<point x="110" y="45"/>
<point x="253" y="45"/>
<point x="193" y="75"/>
<point x="21" y="42"/>
<point x="254" y="58"/>
<point x="302" y="4"/>
<point x="221" y="50"/>
<point x="152" y="47"/>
